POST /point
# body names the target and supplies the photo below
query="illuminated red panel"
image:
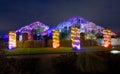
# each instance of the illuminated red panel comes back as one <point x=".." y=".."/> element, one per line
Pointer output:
<point x="107" y="37"/>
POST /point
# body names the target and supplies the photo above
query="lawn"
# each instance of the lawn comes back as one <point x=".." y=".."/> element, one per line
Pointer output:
<point x="52" y="50"/>
<point x="38" y="50"/>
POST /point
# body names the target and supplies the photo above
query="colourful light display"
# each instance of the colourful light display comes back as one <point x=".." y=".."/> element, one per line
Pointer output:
<point x="107" y="37"/>
<point x="75" y="38"/>
<point x="12" y="39"/>
<point x="55" y="37"/>
<point x="84" y="25"/>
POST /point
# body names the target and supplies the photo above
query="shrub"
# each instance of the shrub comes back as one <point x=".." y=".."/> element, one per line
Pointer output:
<point x="28" y="44"/>
<point x="65" y="43"/>
<point x="36" y="44"/>
<point x="20" y="44"/>
<point x="42" y="44"/>
<point x="50" y="43"/>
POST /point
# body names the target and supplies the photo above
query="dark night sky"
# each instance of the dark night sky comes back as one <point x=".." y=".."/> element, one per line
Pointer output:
<point x="17" y="13"/>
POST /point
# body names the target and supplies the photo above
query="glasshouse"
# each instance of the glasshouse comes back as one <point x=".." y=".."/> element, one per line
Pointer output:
<point x="85" y="33"/>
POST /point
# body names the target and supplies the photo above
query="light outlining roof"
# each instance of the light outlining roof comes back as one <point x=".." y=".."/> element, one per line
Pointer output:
<point x="34" y="25"/>
<point x="84" y="25"/>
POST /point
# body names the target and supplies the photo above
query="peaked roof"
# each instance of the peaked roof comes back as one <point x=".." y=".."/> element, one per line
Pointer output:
<point x="85" y="26"/>
<point x="34" y="25"/>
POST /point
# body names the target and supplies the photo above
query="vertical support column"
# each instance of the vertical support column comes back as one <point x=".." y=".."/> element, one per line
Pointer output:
<point x="12" y="40"/>
<point x="55" y="39"/>
<point x="75" y="38"/>
<point x="107" y="37"/>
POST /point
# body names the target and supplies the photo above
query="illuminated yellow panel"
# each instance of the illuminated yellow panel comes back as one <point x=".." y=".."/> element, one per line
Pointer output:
<point x="55" y="37"/>
<point x="75" y="38"/>
<point x="12" y="39"/>
<point x="107" y="37"/>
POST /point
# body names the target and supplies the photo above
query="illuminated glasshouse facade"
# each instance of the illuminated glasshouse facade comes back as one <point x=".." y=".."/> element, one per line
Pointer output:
<point x="35" y="31"/>
<point x="39" y="29"/>
<point x="41" y="32"/>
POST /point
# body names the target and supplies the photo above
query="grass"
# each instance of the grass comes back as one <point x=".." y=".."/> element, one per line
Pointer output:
<point x="38" y="50"/>
<point x="52" y="50"/>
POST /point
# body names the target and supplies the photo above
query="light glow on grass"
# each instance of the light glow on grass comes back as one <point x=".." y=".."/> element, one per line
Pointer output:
<point x="115" y="52"/>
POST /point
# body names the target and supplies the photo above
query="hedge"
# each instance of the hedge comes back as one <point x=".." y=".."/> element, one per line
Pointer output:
<point x="63" y="43"/>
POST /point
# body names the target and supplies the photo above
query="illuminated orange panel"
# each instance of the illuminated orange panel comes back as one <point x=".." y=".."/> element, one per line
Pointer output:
<point x="55" y="37"/>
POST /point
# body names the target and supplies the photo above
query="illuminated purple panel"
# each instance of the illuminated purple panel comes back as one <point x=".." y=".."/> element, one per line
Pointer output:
<point x="5" y="36"/>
